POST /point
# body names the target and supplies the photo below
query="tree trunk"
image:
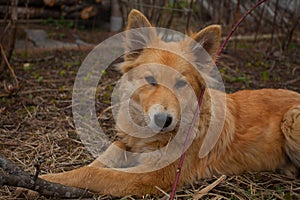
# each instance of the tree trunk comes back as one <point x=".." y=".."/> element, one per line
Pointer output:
<point x="12" y="29"/>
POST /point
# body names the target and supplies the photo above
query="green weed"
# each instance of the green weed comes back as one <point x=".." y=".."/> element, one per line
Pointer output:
<point x="265" y="75"/>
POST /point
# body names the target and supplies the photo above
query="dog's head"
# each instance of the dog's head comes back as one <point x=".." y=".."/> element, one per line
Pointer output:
<point x="161" y="81"/>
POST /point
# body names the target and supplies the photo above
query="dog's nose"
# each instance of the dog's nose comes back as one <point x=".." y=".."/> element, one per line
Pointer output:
<point x="163" y="120"/>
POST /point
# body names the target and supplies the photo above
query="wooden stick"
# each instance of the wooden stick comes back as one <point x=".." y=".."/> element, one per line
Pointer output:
<point x="15" y="176"/>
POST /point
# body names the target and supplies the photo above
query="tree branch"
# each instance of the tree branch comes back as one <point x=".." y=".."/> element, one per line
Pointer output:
<point x="12" y="175"/>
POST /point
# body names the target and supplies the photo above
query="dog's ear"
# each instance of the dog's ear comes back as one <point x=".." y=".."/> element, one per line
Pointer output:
<point x="137" y="20"/>
<point x="209" y="38"/>
<point x="139" y="34"/>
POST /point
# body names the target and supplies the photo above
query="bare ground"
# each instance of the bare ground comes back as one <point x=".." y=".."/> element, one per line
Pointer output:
<point x="36" y="123"/>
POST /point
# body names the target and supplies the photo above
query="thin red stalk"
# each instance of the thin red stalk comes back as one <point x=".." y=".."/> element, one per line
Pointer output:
<point x="185" y="144"/>
<point x="189" y="17"/>
<point x="237" y="25"/>
<point x="200" y="100"/>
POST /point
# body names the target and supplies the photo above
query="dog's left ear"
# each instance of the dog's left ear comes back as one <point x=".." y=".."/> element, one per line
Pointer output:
<point x="209" y="38"/>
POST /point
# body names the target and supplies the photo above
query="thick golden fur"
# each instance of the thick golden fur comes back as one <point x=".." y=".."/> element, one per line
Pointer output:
<point x="261" y="129"/>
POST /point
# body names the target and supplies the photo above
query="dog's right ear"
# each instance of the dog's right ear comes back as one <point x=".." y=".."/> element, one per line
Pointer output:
<point x="139" y="33"/>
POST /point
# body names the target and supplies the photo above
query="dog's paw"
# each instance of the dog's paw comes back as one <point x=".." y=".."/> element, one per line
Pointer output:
<point x="291" y="129"/>
<point x="291" y="122"/>
<point x="290" y="170"/>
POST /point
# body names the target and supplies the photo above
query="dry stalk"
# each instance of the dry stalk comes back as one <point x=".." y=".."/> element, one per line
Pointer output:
<point x="208" y="188"/>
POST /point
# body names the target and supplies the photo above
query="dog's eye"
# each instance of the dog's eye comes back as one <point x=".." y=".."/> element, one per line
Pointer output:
<point x="151" y="80"/>
<point x="180" y="84"/>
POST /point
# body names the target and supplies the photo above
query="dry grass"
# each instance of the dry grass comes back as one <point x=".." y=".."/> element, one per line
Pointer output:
<point x="36" y="124"/>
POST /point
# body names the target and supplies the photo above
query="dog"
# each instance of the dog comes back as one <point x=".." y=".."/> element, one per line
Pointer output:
<point x="260" y="129"/>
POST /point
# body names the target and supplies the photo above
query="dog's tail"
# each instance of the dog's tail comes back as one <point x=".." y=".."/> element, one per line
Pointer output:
<point x="290" y="126"/>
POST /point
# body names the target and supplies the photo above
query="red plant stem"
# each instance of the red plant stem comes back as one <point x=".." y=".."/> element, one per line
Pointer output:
<point x="237" y="24"/>
<point x="200" y="100"/>
<point x="185" y="145"/>
<point x="188" y="17"/>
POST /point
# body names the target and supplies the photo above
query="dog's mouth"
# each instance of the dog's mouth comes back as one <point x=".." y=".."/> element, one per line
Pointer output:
<point x="153" y="121"/>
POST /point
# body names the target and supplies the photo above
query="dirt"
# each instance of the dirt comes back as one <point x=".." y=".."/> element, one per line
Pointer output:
<point x="36" y="122"/>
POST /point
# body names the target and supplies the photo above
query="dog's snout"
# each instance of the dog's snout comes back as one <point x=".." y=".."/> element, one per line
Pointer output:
<point x="163" y="120"/>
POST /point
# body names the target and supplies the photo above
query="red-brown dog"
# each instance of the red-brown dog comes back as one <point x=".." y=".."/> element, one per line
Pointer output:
<point x="261" y="129"/>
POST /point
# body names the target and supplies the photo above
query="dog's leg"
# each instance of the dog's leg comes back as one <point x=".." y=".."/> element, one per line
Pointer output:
<point x="116" y="182"/>
<point x="114" y="156"/>
<point x="291" y="128"/>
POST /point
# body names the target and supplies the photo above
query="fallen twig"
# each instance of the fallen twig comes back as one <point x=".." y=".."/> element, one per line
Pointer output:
<point x="162" y="191"/>
<point x="292" y="81"/>
<point x="15" y="176"/>
<point x="37" y="91"/>
<point x="104" y="111"/>
<point x="208" y="188"/>
<point x="34" y="60"/>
